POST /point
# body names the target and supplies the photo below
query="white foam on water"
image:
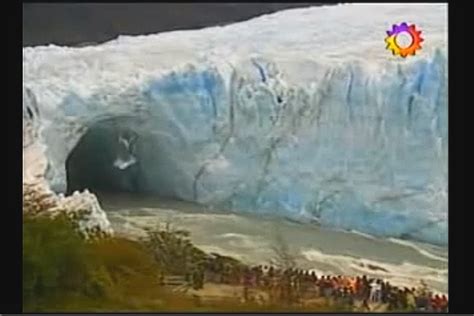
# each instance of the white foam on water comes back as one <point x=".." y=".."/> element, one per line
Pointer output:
<point x="241" y="240"/>
<point x="420" y="250"/>
<point x="362" y="234"/>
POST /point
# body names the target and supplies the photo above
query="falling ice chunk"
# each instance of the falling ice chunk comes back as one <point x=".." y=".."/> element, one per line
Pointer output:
<point x="124" y="164"/>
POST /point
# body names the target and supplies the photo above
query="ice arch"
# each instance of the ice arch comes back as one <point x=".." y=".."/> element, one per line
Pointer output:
<point x="120" y="154"/>
<point x="267" y="122"/>
<point x="105" y="159"/>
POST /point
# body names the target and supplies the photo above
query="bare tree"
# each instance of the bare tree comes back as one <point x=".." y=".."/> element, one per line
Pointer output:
<point x="283" y="257"/>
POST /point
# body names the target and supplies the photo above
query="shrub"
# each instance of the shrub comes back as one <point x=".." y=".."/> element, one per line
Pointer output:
<point x="129" y="267"/>
<point x="53" y="258"/>
<point x="173" y="251"/>
<point x="61" y="268"/>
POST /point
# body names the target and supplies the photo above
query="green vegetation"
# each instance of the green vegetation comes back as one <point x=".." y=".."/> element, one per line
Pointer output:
<point x="173" y="250"/>
<point x="63" y="272"/>
<point x="52" y="258"/>
<point x="60" y="267"/>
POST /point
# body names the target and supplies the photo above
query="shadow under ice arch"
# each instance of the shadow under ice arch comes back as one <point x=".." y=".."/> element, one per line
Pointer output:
<point x="120" y="154"/>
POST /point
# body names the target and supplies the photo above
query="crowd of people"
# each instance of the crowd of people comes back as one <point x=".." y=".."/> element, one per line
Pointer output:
<point x="293" y="286"/>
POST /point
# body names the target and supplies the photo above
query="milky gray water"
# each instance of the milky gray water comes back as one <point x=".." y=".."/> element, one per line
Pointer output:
<point x="251" y="239"/>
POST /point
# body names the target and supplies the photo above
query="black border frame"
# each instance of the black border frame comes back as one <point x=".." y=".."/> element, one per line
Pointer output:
<point x="459" y="214"/>
<point x="460" y="219"/>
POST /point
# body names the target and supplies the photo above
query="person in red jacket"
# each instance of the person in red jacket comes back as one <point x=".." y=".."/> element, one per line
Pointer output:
<point x="436" y="303"/>
<point x="444" y="304"/>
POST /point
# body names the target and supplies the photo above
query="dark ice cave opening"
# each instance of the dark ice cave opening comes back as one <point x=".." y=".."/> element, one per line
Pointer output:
<point x="123" y="162"/>
<point x="124" y="165"/>
<point x="120" y="156"/>
<point x="104" y="160"/>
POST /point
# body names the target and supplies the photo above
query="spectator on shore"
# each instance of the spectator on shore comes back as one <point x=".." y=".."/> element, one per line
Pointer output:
<point x="294" y="285"/>
<point x="375" y="291"/>
<point x="358" y="288"/>
<point x="436" y="303"/>
<point x="247" y="283"/>
<point x="410" y="297"/>
<point x="384" y="290"/>
<point x="444" y="304"/>
<point x="347" y="297"/>
<point x="402" y="299"/>
<point x="365" y="304"/>
<point x="422" y="302"/>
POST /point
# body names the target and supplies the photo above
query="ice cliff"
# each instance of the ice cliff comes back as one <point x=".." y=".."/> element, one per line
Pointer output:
<point x="301" y="114"/>
<point x="39" y="200"/>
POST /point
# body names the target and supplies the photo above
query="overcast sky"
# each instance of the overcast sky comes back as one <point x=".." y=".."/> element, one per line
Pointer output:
<point x="71" y="24"/>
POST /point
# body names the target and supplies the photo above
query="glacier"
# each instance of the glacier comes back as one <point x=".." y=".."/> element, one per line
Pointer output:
<point x="302" y="114"/>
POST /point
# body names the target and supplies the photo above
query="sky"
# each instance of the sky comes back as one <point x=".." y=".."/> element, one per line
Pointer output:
<point x="77" y="23"/>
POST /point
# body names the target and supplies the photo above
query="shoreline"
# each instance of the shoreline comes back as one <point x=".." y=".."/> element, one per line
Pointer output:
<point x="250" y="238"/>
<point x="143" y="201"/>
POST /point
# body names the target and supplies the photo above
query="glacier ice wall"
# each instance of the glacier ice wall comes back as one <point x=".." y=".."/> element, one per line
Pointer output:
<point x="301" y="114"/>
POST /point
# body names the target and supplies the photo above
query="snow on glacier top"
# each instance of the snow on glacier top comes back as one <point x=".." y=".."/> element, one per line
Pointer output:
<point x="325" y="34"/>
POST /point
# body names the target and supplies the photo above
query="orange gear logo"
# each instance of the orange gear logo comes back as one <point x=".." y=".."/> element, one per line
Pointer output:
<point x="396" y="49"/>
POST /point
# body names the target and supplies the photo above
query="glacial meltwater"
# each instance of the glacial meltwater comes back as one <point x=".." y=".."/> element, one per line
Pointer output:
<point x="251" y="238"/>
